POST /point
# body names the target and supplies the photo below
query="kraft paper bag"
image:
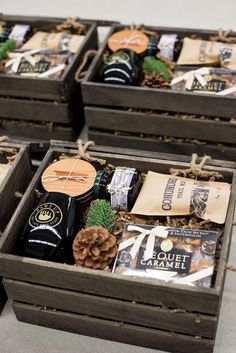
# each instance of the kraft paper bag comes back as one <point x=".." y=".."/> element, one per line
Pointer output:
<point x="167" y="195"/>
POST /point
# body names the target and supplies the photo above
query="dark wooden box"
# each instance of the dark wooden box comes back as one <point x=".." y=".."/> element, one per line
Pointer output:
<point x="143" y="118"/>
<point x="17" y="179"/>
<point x="41" y="101"/>
<point x="106" y="95"/>
<point x="101" y="304"/>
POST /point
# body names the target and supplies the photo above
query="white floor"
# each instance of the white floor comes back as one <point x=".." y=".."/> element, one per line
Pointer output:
<point x="16" y="337"/>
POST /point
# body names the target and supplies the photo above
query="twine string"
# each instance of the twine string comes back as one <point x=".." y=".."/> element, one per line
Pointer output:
<point x="52" y="178"/>
<point x="69" y="175"/>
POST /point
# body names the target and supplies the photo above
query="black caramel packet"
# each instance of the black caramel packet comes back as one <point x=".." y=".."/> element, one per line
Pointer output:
<point x="183" y="256"/>
<point x="216" y="80"/>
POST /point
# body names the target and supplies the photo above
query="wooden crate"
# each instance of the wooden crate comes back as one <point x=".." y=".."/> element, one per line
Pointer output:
<point x="47" y="100"/>
<point x="49" y="89"/>
<point x="100" y="94"/>
<point x="17" y="179"/>
<point x="141" y="117"/>
<point x="102" y="304"/>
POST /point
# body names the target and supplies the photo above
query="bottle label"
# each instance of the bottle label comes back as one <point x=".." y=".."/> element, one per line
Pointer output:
<point x="120" y="186"/>
<point x="166" y="45"/>
<point x="47" y="213"/>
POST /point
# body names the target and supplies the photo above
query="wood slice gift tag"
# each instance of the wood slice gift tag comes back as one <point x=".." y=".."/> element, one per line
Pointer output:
<point x="73" y="177"/>
<point x="131" y="39"/>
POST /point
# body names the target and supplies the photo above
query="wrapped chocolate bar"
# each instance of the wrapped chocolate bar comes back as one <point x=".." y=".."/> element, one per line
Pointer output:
<point x="54" y="41"/>
<point x="202" y="52"/>
<point x="168" y="195"/>
<point x="205" y="80"/>
<point x="37" y="63"/>
<point x="183" y="256"/>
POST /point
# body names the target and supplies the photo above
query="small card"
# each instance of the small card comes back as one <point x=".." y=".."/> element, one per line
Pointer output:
<point x="184" y="256"/>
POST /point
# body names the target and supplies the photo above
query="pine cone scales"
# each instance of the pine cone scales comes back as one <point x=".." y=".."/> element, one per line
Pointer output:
<point x="94" y="247"/>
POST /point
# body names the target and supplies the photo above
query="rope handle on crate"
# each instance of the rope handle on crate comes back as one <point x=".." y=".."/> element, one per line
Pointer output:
<point x="230" y="267"/>
<point x="79" y="75"/>
<point x="82" y="152"/>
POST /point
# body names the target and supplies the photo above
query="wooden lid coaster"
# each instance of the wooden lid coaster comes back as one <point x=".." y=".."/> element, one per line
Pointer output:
<point x="73" y="177"/>
<point x="131" y="39"/>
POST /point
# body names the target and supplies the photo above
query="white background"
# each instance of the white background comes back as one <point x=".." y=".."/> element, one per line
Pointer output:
<point x="181" y="13"/>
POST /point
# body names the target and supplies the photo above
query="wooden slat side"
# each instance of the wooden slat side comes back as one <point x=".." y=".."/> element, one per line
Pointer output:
<point x="34" y="130"/>
<point x="110" y="285"/>
<point x="18" y="86"/>
<point x="102" y="94"/>
<point x="111" y="330"/>
<point x="22" y="109"/>
<point x="17" y="179"/>
<point x="160" y="125"/>
<point x="143" y="153"/>
<point x="220" y="279"/>
<point x="112" y="309"/>
<point x="152" y="144"/>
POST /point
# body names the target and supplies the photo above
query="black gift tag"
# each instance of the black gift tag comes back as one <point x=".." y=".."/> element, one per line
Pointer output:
<point x="51" y="228"/>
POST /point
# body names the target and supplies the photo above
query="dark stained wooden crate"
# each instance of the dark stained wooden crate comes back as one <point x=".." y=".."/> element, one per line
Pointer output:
<point x="50" y="88"/>
<point x="106" y="305"/>
<point x="47" y="100"/>
<point x="100" y="94"/>
<point x="25" y="109"/>
<point x="117" y="139"/>
<point x="141" y="117"/>
<point x="17" y="179"/>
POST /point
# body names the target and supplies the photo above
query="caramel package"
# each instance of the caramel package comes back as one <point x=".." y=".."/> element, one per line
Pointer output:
<point x="202" y="52"/>
<point x="215" y="80"/>
<point x="41" y="64"/>
<point x="54" y="41"/>
<point x="167" y="195"/>
<point x="183" y="256"/>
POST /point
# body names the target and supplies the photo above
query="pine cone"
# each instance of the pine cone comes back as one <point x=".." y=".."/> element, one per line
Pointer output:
<point x="94" y="247"/>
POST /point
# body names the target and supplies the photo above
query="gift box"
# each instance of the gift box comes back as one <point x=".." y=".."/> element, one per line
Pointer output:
<point x="38" y="92"/>
<point x="174" y="255"/>
<point x="142" y="116"/>
<point x="136" y="310"/>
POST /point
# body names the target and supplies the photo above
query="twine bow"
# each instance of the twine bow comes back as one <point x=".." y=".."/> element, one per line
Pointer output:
<point x="15" y="59"/>
<point x="52" y="178"/>
<point x="133" y="39"/>
<point x="159" y="231"/>
<point x="189" y="77"/>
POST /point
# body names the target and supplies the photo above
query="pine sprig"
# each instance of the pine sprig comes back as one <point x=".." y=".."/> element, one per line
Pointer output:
<point x="7" y="46"/>
<point x="155" y="66"/>
<point x="101" y="214"/>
